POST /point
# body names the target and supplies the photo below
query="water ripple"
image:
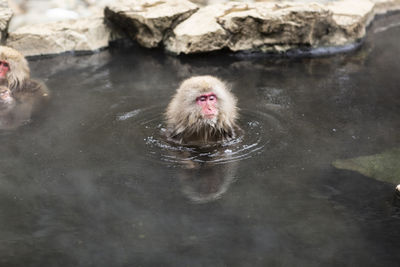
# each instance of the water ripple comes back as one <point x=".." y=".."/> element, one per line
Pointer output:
<point x="261" y="131"/>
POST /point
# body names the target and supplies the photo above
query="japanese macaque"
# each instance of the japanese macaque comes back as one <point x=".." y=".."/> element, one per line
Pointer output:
<point x="20" y="95"/>
<point x="15" y="74"/>
<point x="202" y="111"/>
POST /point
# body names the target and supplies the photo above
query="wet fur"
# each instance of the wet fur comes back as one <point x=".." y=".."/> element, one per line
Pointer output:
<point x="19" y="69"/>
<point x="5" y="106"/>
<point x="185" y="121"/>
<point x="18" y="77"/>
<point x="28" y="95"/>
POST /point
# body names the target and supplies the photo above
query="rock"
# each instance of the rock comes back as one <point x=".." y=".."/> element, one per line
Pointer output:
<point x="88" y="34"/>
<point x="275" y="26"/>
<point x="351" y="18"/>
<point x="271" y="26"/>
<point x="208" y="2"/>
<point x="384" y="167"/>
<point x="183" y="27"/>
<point x="384" y="6"/>
<point x="149" y="21"/>
<point x="5" y="17"/>
<point x="199" y="33"/>
<point x="29" y="12"/>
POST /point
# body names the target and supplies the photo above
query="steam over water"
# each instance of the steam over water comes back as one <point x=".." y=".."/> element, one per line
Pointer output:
<point x="91" y="180"/>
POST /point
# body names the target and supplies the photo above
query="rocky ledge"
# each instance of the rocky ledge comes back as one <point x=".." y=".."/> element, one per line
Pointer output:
<point x="5" y="17"/>
<point x="182" y="27"/>
<point x="87" y="34"/>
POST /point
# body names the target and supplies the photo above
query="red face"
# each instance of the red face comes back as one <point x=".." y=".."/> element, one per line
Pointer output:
<point x="4" y="68"/>
<point x="208" y="104"/>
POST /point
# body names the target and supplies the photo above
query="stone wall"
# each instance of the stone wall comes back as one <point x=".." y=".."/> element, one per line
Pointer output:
<point x="183" y="27"/>
<point x="5" y="17"/>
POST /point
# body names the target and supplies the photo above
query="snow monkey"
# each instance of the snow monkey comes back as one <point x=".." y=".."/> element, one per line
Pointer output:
<point x="202" y="111"/>
<point x="15" y="74"/>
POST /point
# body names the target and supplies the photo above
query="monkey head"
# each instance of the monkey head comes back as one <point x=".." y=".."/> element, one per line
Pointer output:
<point x="14" y="69"/>
<point x="204" y="107"/>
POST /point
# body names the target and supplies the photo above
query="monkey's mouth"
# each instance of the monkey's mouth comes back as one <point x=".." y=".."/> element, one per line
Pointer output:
<point x="210" y="120"/>
<point x="209" y="116"/>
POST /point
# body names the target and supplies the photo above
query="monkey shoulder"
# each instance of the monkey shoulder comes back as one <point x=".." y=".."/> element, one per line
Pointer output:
<point x="36" y="87"/>
<point x="32" y="90"/>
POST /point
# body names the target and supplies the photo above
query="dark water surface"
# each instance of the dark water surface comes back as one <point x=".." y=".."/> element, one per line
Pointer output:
<point x="91" y="182"/>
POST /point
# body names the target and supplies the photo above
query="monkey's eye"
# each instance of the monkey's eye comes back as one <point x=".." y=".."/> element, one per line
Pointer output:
<point x="5" y="64"/>
<point x="202" y="98"/>
<point x="212" y="97"/>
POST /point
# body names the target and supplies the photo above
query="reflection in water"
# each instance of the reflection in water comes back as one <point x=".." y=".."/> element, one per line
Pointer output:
<point x="205" y="183"/>
<point x="93" y="182"/>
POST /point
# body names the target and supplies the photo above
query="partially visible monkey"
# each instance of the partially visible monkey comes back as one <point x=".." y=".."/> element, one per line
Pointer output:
<point x="25" y="94"/>
<point x="207" y="182"/>
<point x="396" y="198"/>
<point x="15" y="74"/>
<point x="202" y="111"/>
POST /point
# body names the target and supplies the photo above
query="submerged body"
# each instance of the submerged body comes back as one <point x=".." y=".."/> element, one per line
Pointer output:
<point x="202" y="111"/>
